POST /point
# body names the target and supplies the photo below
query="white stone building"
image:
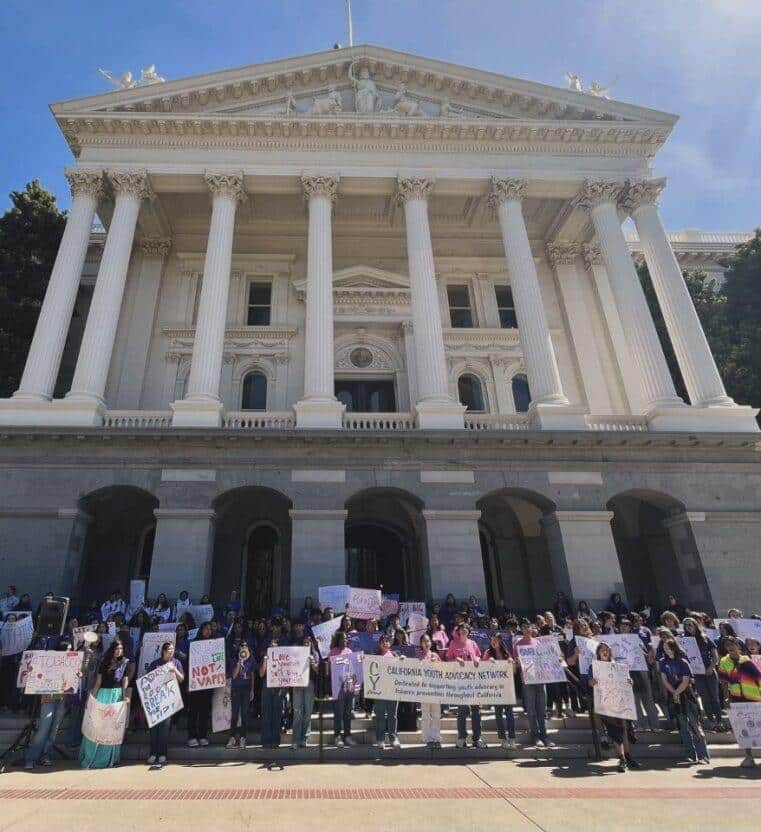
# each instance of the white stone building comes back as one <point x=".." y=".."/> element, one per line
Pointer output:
<point x="362" y="316"/>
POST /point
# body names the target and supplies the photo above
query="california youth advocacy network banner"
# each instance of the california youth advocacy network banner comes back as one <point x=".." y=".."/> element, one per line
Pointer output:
<point x="414" y="680"/>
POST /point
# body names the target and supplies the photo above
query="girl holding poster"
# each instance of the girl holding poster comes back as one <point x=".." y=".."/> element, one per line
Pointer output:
<point x="272" y="707"/>
<point x="159" y="733"/>
<point x="498" y="651"/>
<point x="743" y="679"/>
<point x="241" y="673"/>
<point x="199" y="704"/>
<point x="303" y="699"/>
<point x="111" y="685"/>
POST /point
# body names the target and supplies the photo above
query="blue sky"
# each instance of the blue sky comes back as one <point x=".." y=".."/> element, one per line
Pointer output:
<point x="700" y="59"/>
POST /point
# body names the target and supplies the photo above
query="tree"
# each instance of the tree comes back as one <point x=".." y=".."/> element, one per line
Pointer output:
<point x="30" y="233"/>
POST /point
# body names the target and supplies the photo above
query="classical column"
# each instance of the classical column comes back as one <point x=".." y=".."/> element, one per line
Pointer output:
<point x="318" y="554"/>
<point x="696" y="361"/>
<point x="202" y="406"/>
<point x="84" y="402"/>
<point x="44" y="358"/>
<point x="183" y="551"/>
<point x="434" y="407"/>
<point x="319" y="407"/>
<point x="600" y="198"/>
<point x="549" y="406"/>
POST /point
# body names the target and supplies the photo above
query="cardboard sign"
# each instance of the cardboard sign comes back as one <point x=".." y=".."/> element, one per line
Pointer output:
<point x="745" y="719"/>
<point x="587" y="653"/>
<point x="207" y="664"/>
<point x="540" y="663"/>
<point x="24" y="668"/>
<point x="691" y="651"/>
<point x="363" y="642"/>
<point x="364" y="603"/>
<point x="406" y="608"/>
<point x="627" y="648"/>
<point x="136" y="594"/>
<point x="417" y="625"/>
<point x="287" y="667"/>
<point x="346" y="673"/>
<point x="151" y="649"/>
<point x="323" y="634"/>
<point x="16" y="636"/>
<point x="336" y="597"/>
<point x="160" y="694"/>
<point x="201" y="613"/>
<point x="389" y="605"/>
<point x="743" y="627"/>
<point x="221" y="708"/>
<point x="53" y="672"/>
<point x="105" y="723"/>
<point x="613" y="693"/>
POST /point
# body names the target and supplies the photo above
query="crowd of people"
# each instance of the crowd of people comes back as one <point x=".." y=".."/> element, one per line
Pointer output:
<point x="668" y="695"/>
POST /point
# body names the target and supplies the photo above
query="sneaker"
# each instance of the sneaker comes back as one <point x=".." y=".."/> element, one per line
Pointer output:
<point x="30" y="766"/>
<point x="162" y="759"/>
<point x="549" y="744"/>
<point x="748" y="762"/>
<point x="395" y="743"/>
<point x="622" y="765"/>
<point x="338" y="742"/>
<point x="193" y="743"/>
<point x="46" y="762"/>
<point x="479" y="743"/>
<point x="508" y="743"/>
<point x="203" y="742"/>
<point x="540" y="743"/>
<point x="349" y="741"/>
<point x="633" y="764"/>
<point x="242" y="742"/>
<point x="231" y="743"/>
<point x="704" y="761"/>
<point x="151" y="760"/>
<point x="461" y="743"/>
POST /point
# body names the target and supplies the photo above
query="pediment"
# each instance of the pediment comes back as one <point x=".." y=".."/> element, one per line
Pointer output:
<point x="364" y="281"/>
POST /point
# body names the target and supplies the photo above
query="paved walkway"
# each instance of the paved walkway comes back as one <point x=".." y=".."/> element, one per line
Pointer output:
<point x="554" y="796"/>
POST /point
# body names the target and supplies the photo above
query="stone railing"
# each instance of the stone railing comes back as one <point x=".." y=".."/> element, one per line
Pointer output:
<point x="246" y="420"/>
<point x="137" y="419"/>
<point x="378" y="421"/>
<point x="617" y="423"/>
<point x="496" y="421"/>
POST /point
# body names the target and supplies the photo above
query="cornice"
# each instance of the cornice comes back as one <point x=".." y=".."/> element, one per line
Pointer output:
<point x="241" y="333"/>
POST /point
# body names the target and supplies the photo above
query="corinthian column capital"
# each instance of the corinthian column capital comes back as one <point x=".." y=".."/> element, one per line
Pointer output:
<point x="131" y="183"/>
<point x="85" y="182"/>
<point x="506" y="190"/>
<point x="591" y="254"/>
<point x="320" y="186"/>
<point x="562" y="253"/>
<point x="642" y="193"/>
<point x="413" y="187"/>
<point x="596" y="192"/>
<point x="226" y="184"/>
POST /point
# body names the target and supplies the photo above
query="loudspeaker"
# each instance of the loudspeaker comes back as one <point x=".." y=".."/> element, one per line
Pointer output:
<point x="53" y="613"/>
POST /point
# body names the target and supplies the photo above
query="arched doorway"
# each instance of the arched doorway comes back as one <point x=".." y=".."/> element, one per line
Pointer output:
<point x="516" y="550"/>
<point x="119" y="540"/>
<point x="384" y="542"/>
<point x="252" y="548"/>
<point x="657" y="550"/>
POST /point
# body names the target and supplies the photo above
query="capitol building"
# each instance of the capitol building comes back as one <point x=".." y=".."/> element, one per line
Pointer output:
<point x="365" y="317"/>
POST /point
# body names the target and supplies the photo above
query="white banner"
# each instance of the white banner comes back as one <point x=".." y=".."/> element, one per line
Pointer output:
<point x="745" y="719"/>
<point x="614" y="694"/>
<point x="323" y="634"/>
<point x="336" y="597"/>
<point x="160" y="694"/>
<point x="627" y="648"/>
<point x="407" y="608"/>
<point x="201" y="613"/>
<point x="364" y="603"/>
<point x="104" y="723"/>
<point x="78" y="634"/>
<point x="16" y="636"/>
<point x="53" y="672"/>
<point x="136" y="594"/>
<point x="287" y="667"/>
<point x="691" y="650"/>
<point x="449" y="683"/>
<point x="540" y="663"/>
<point x="151" y="649"/>
<point x="207" y="664"/>
<point x="587" y="653"/>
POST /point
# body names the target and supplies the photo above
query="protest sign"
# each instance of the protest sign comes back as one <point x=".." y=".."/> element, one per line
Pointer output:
<point x="207" y="664"/>
<point x="24" y="668"/>
<point x="482" y="638"/>
<point x="160" y="694"/>
<point x="540" y="663"/>
<point x="363" y="642"/>
<point x="626" y="648"/>
<point x="613" y="691"/>
<point x="587" y="653"/>
<point x="389" y="605"/>
<point x="221" y="708"/>
<point x="406" y="608"/>
<point x="449" y="683"/>
<point x="364" y="603"/>
<point x="78" y="634"/>
<point x="16" y="636"/>
<point x="568" y="633"/>
<point x="554" y="640"/>
<point x="54" y="672"/>
<point x="745" y="719"/>
<point x="287" y="667"/>
<point x="417" y="625"/>
<point x="167" y="626"/>
<point x="345" y="672"/>
<point x="104" y="722"/>
<point x="691" y="651"/>
<point x="336" y="597"/>
<point x="151" y="649"/>
<point x="201" y="613"/>
<point x="323" y="634"/>
<point x="136" y="594"/>
<point x="712" y="634"/>
<point x="743" y="627"/>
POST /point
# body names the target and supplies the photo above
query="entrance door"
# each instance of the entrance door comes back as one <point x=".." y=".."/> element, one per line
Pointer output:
<point x="375" y="557"/>
<point x="366" y="395"/>
<point x="261" y="589"/>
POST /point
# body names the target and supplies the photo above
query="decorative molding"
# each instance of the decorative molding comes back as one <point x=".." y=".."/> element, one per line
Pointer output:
<point x="413" y="187"/>
<point x="562" y="253"/>
<point x="131" y="182"/>
<point x="226" y="184"/>
<point x="85" y="182"/>
<point x="155" y="246"/>
<point x="320" y="186"/>
<point x="591" y="254"/>
<point x="642" y="193"/>
<point x="506" y="190"/>
<point x="596" y="192"/>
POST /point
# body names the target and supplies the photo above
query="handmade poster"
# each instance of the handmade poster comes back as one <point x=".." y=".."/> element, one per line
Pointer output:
<point x="745" y="719"/>
<point x="587" y="652"/>
<point x="613" y="693"/>
<point x="482" y="638"/>
<point x="364" y="603"/>
<point x="406" y="608"/>
<point x="167" y="626"/>
<point x="136" y="594"/>
<point x="221" y="709"/>
<point x="287" y="667"/>
<point x="201" y="613"/>
<point x="627" y="648"/>
<point x="336" y="597"/>
<point x="160" y="694"/>
<point x="363" y="642"/>
<point x="540" y="664"/>
<point x="691" y="650"/>
<point x="24" y="668"/>
<point x="417" y="625"/>
<point x="389" y="605"/>
<point x="104" y="723"/>
<point x="151" y="649"/>
<point x="412" y="680"/>
<point x="323" y="635"/>
<point x="345" y="671"/>
<point x="568" y="633"/>
<point x="552" y="639"/>
<point x="78" y="634"/>
<point x="16" y="636"/>
<point x="54" y="672"/>
<point x="743" y="627"/>
<point x="712" y="634"/>
<point x="207" y="664"/>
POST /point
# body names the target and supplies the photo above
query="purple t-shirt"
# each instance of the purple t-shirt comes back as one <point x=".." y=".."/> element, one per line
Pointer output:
<point x="244" y="676"/>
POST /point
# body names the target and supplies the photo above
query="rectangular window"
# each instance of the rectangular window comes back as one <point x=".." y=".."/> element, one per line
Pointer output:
<point x="259" y="304"/>
<point x="506" y="307"/>
<point x="459" y="307"/>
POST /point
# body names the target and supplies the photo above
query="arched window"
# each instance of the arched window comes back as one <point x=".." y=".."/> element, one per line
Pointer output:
<point x="254" y="392"/>
<point x="471" y="394"/>
<point x="521" y="393"/>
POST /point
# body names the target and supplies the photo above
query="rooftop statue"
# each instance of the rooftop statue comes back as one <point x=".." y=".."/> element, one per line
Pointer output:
<point x="150" y="76"/>
<point x="126" y="80"/>
<point x="596" y="90"/>
<point x="123" y="82"/>
<point x="574" y="82"/>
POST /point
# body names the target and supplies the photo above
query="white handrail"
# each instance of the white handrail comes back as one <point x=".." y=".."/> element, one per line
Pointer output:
<point x="255" y="420"/>
<point x="137" y="419"/>
<point x="378" y="421"/>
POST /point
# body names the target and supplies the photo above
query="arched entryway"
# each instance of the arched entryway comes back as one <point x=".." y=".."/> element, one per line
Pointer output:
<point x="119" y="541"/>
<point x="384" y="539"/>
<point x="516" y="550"/>
<point x="657" y="550"/>
<point x="252" y="548"/>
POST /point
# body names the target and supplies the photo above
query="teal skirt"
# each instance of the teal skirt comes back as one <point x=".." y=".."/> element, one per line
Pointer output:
<point x="92" y="755"/>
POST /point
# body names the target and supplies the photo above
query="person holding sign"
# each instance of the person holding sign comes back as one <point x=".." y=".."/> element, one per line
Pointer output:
<point x="111" y="685"/>
<point x="199" y="703"/>
<point x="499" y="651"/>
<point x="303" y="699"/>
<point x="241" y="673"/>
<point x="743" y="679"/>
<point x="272" y="707"/>
<point x="159" y="733"/>
<point x="534" y="695"/>
<point x="707" y="683"/>
<point x="462" y="649"/>
<point x="344" y="705"/>
<point x="385" y="709"/>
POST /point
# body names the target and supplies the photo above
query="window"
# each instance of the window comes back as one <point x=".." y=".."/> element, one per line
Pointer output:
<point x="470" y="393"/>
<point x="254" y="392"/>
<point x="259" y="304"/>
<point x="521" y="393"/>
<point x="459" y="307"/>
<point x="506" y="307"/>
<point x="366" y="396"/>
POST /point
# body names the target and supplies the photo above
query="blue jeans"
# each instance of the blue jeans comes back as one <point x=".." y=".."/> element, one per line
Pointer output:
<point x="499" y="714"/>
<point x="693" y="739"/>
<point x="51" y="714"/>
<point x="462" y="721"/>
<point x="535" y="705"/>
<point x="708" y="690"/>
<point x="160" y="737"/>
<point x="303" y="703"/>
<point x="342" y="714"/>
<point x="239" y="707"/>
<point x="385" y="719"/>
<point x="272" y="715"/>
<point x="76" y="713"/>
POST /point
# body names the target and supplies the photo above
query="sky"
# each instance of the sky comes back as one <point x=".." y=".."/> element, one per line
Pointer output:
<point x="700" y="59"/>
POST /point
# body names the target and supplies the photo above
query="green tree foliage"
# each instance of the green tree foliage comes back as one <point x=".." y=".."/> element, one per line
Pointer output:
<point x="30" y="232"/>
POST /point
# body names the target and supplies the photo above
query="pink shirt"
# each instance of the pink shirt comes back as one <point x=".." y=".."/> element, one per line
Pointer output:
<point x="430" y="656"/>
<point x="440" y="638"/>
<point x="468" y="651"/>
<point x="337" y="651"/>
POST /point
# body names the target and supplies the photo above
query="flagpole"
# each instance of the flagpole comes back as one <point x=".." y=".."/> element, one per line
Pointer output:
<point x="349" y="28"/>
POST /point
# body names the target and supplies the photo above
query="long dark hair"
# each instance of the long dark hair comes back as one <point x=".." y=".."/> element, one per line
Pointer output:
<point x="108" y="656"/>
<point x="502" y="645"/>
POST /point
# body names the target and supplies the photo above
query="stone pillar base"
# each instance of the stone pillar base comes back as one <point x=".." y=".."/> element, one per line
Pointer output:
<point x="736" y="419"/>
<point x="197" y="414"/>
<point x="22" y="412"/>
<point x="557" y="417"/>
<point x="440" y="415"/>
<point x="326" y="414"/>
